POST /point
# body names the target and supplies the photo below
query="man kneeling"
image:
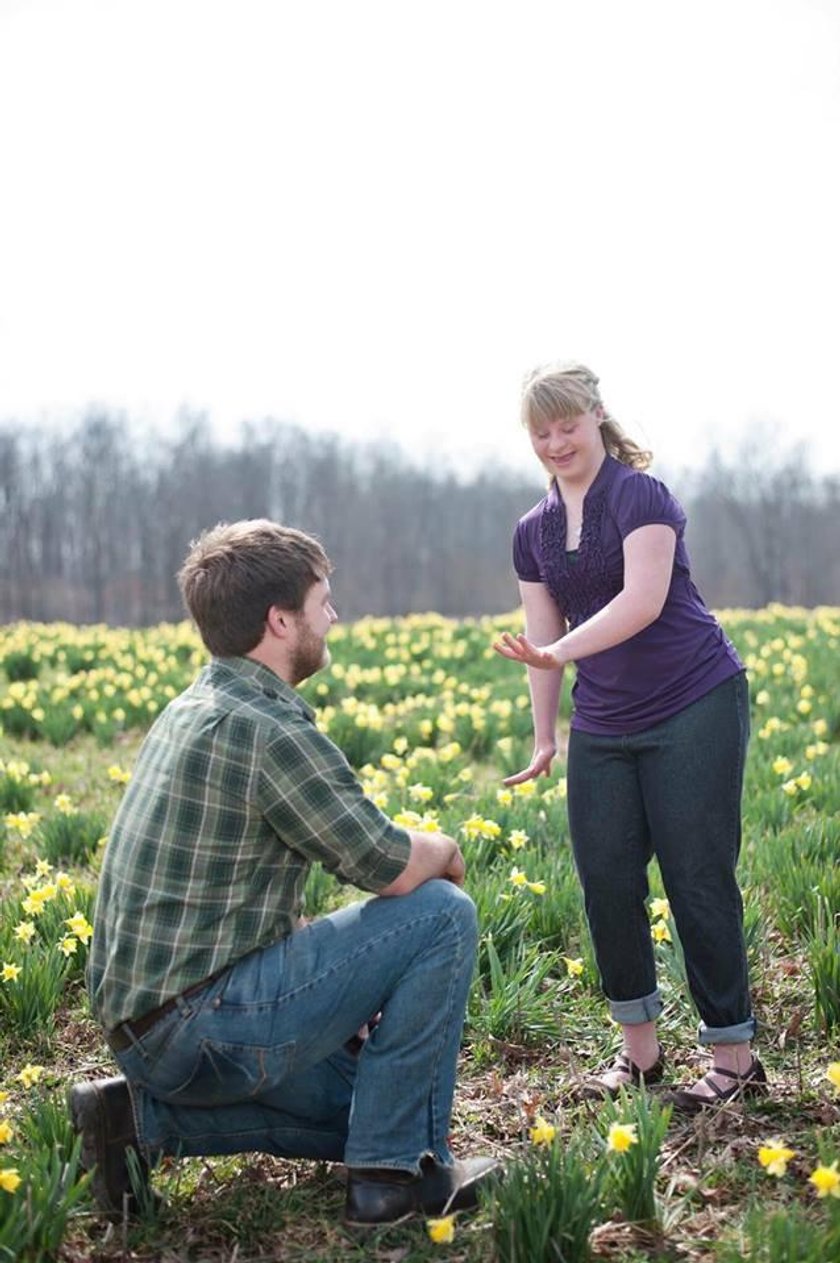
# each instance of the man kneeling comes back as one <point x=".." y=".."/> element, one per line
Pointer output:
<point x="233" y="1022"/>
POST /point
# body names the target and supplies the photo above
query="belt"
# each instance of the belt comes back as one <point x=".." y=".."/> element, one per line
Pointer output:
<point x="124" y="1035"/>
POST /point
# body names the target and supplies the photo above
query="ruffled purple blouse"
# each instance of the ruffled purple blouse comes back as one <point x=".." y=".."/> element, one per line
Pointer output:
<point x="663" y="668"/>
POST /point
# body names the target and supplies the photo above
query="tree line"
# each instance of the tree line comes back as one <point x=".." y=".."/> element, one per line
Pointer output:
<point x="95" y="521"/>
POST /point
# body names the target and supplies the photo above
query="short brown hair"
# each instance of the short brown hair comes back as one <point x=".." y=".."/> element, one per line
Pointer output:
<point x="234" y="573"/>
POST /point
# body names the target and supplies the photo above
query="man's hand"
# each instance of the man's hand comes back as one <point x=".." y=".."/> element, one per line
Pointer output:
<point x="432" y="855"/>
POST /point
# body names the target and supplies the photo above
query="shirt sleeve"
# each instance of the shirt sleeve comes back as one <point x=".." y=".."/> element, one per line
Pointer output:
<point x="526" y="550"/>
<point x="314" y="802"/>
<point x="645" y="501"/>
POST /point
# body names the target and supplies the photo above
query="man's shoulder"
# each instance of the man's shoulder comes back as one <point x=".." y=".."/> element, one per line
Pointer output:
<point x="247" y="689"/>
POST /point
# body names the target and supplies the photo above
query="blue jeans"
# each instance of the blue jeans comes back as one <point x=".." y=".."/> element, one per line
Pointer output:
<point x="257" y="1060"/>
<point x="673" y="791"/>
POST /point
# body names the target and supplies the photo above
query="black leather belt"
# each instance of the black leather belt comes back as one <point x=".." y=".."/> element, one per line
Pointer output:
<point x="124" y="1035"/>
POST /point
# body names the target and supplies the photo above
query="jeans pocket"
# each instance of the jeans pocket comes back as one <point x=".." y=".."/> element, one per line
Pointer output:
<point x="219" y="1073"/>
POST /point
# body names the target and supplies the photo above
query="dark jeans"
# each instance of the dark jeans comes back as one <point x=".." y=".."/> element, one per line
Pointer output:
<point x="673" y="791"/>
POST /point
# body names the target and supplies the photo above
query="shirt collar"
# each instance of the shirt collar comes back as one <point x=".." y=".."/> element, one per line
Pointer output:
<point x="263" y="679"/>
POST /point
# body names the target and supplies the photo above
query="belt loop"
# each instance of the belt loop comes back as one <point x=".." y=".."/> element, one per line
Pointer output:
<point x="128" y="1041"/>
<point x="182" y="1005"/>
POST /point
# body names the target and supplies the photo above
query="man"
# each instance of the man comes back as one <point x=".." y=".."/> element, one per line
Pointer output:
<point x="233" y="1021"/>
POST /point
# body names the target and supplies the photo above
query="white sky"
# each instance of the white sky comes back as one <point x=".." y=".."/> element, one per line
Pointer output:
<point x="375" y="216"/>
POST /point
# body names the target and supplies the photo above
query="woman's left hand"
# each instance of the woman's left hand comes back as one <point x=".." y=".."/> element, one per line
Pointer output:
<point x="521" y="649"/>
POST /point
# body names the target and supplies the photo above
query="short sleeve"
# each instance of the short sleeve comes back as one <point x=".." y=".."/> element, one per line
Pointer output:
<point x="645" y="501"/>
<point x="526" y="541"/>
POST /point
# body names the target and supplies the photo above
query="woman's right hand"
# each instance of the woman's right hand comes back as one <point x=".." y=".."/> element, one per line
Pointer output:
<point x="540" y="765"/>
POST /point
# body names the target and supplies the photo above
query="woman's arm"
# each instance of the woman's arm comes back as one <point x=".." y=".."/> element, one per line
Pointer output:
<point x="648" y="566"/>
<point x="543" y="624"/>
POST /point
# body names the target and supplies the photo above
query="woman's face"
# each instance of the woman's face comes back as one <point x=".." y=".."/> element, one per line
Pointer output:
<point x="570" y="448"/>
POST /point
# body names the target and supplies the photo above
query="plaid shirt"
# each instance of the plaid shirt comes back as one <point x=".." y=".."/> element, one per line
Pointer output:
<point x="234" y="794"/>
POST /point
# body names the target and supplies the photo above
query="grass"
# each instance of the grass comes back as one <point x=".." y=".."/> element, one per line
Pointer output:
<point x="448" y="722"/>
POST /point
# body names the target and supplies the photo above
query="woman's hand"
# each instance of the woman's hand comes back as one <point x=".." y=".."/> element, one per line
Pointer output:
<point x="540" y="765"/>
<point x="520" y="649"/>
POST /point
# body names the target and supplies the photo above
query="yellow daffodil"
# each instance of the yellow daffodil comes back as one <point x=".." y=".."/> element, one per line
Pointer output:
<point x="804" y="780"/>
<point x="574" y="966"/>
<point x="6" y="1132"/>
<point x="536" y="887"/>
<point x="43" y="868"/>
<point x="64" y="882"/>
<point x="660" y="909"/>
<point x="4" y="1096"/>
<point x="621" y="1136"/>
<point x="782" y="766"/>
<point x="22" y="822"/>
<point x="10" y="973"/>
<point x="660" y="932"/>
<point x="68" y="945"/>
<point x="517" y="878"/>
<point x="9" y="1179"/>
<point x="441" y="1231"/>
<point x="774" y="1157"/>
<point x="826" y="1180"/>
<point x="118" y="774"/>
<point x="542" y="1133"/>
<point x="449" y="751"/>
<point x="30" y="1074"/>
<point x="518" y="838"/>
<point x="504" y="797"/>
<point x="64" y="804"/>
<point x="24" y="931"/>
<point x="525" y="789"/>
<point x="762" y="697"/>
<point x="833" y="1074"/>
<point x="478" y="827"/>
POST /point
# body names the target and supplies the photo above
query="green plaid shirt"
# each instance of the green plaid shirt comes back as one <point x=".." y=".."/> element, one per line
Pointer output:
<point x="234" y="794"/>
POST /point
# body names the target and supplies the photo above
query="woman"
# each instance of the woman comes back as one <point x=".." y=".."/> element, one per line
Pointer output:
<point x="658" y="733"/>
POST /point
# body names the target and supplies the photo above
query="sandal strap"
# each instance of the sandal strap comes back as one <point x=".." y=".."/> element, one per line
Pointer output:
<point x="624" y="1065"/>
<point x="724" y="1094"/>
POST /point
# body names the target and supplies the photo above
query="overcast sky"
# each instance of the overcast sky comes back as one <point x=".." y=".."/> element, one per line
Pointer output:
<point x="375" y="217"/>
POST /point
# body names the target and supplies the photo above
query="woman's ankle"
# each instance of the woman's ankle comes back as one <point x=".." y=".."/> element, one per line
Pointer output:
<point x="735" y="1057"/>
<point x="641" y="1044"/>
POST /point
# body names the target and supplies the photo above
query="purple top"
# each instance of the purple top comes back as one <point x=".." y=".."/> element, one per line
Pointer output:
<point x="666" y="666"/>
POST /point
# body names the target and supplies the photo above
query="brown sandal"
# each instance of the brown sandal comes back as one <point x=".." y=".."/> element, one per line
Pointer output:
<point x="595" y="1087"/>
<point x="752" y="1083"/>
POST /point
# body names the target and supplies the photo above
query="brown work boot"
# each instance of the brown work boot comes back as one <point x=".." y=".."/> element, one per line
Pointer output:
<point x="379" y="1196"/>
<point x="102" y="1115"/>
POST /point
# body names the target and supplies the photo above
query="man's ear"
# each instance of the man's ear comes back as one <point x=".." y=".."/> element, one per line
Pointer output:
<point x="277" y="622"/>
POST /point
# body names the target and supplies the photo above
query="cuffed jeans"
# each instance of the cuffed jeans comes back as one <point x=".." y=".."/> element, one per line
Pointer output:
<point x="257" y="1061"/>
<point x="673" y="791"/>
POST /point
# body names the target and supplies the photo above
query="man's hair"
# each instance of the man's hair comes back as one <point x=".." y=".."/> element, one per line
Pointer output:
<point x="234" y="573"/>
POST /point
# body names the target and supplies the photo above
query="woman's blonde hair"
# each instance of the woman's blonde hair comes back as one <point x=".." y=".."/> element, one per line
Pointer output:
<point x="566" y="390"/>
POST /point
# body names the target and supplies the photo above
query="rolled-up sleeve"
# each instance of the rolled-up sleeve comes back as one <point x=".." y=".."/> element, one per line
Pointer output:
<point x="312" y="799"/>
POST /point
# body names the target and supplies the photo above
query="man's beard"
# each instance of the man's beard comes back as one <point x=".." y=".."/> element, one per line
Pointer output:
<point x="311" y="655"/>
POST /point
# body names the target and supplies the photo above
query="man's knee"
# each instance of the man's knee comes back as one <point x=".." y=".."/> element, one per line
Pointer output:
<point x="449" y="900"/>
